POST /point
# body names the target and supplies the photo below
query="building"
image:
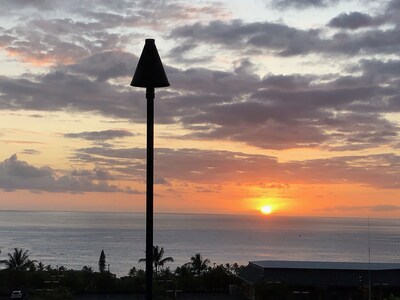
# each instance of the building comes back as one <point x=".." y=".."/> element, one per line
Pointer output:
<point x="282" y="280"/>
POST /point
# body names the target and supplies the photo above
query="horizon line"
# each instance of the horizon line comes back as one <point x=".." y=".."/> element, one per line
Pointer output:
<point x="200" y="213"/>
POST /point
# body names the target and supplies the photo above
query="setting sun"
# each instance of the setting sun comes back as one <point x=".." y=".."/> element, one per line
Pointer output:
<point x="266" y="209"/>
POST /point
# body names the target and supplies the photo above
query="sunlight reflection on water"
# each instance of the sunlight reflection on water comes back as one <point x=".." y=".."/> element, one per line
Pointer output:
<point x="75" y="239"/>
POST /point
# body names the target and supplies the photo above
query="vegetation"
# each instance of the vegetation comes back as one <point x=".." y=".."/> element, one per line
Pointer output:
<point x="196" y="276"/>
<point x="102" y="262"/>
<point x="19" y="260"/>
<point x="46" y="282"/>
<point x="198" y="264"/>
<point x="158" y="260"/>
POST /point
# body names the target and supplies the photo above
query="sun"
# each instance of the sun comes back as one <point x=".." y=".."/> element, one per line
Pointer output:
<point x="266" y="209"/>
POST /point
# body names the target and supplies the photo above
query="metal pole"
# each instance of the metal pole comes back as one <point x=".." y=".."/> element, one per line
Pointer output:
<point x="149" y="192"/>
<point x="369" y="262"/>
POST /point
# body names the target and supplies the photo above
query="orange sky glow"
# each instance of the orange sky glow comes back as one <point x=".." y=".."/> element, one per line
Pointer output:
<point x="296" y="123"/>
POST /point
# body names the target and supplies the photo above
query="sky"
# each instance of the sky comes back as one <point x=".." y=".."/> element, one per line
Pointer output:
<point x="292" y="104"/>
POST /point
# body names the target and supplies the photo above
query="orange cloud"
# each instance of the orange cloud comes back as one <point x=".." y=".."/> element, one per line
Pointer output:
<point x="37" y="59"/>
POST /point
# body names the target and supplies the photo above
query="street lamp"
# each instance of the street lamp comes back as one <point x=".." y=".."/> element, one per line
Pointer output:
<point x="149" y="74"/>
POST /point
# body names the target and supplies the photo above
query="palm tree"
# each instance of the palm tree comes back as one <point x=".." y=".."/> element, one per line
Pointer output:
<point x="158" y="260"/>
<point x="40" y="267"/>
<point x="18" y="260"/>
<point x="198" y="264"/>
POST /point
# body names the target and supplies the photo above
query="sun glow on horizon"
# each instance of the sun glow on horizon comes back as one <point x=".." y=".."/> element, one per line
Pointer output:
<point x="266" y="209"/>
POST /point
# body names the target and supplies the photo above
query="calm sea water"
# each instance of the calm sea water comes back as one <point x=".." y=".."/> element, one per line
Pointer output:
<point x="75" y="239"/>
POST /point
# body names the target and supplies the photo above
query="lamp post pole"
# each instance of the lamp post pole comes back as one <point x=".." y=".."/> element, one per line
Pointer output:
<point x="149" y="192"/>
<point x="149" y="74"/>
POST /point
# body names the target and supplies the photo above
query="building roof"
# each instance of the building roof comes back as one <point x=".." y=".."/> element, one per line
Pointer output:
<point x="317" y="273"/>
<point x="280" y="264"/>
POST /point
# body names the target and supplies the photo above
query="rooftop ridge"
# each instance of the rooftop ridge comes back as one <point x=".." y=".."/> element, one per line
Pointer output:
<point x="285" y="264"/>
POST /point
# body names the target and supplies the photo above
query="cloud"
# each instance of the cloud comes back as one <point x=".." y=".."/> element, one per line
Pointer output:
<point x="21" y="169"/>
<point x="181" y="54"/>
<point x="19" y="175"/>
<point x="32" y="47"/>
<point x="208" y="189"/>
<point x="105" y="65"/>
<point x="290" y="112"/>
<point x="133" y="153"/>
<point x="8" y="5"/>
<point x="380" y="170"/>
<point x="91" y="69"/>
<point x="211" y="166"/>
<point x="387" y="71"/>
<point x="161" y="181"/>
<point x="78" y="29"/>
<point x="276" y="38"/>
<point x="181" y="164"/>
<point x="57" y="41"/>
<point x="384" y="208"/>
<point x="373" y="208"/>
<point x="58" y="90"/>
<point x="21" y="142"/>
<point x="353" y="20"/>
<point x="100" y="135"/>
<point x="200" y="167"/>
<point x="275" y="112"/>
<point x="31" y="151"/>
<point x="95" y="174"/>
<point x="274" y="185"/>
<point x="283" y="40"/>
<point x="284" y="4"/>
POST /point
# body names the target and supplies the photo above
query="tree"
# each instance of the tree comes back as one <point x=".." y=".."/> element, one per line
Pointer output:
<point x="158" y="260"/>
<point x="102" y="262"/>
<point x="198" y="264"/>
<point x="2" y="261"/>
<point x="233" y="269"/>
<point x="184" y="271"/>
<point x="87" y="269"/>
<point x="132" y="272"/>
<point x="48" y="268"/>
<point x="18" y="260"/>
<point x="40" y="267"/>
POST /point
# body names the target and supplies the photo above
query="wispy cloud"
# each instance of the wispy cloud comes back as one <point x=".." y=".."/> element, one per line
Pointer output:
<point x="100" y="135"/>
<point x="373" y="208"/>
<point x="31" y="151"/>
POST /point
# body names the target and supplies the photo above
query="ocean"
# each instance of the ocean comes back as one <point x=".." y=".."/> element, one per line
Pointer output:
<point x="75" y="239"/>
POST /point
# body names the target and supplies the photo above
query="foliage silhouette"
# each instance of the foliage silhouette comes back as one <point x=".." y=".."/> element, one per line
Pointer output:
<point x="45" y="282"/>
<point x="158" y="260"/>
<point x="102" y="262"/>
<point x="198" y="264"/>
<point x="18" y="260"/>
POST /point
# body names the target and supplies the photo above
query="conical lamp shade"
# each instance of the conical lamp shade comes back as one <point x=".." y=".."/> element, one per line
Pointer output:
<point x="150" y="71"/>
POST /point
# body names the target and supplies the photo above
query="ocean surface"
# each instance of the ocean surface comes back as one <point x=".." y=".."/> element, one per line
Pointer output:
<point x="75" y="239"/>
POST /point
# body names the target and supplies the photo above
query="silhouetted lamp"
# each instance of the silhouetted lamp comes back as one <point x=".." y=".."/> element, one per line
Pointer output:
<point x="150" y="71"/>
<point x="149" y="74"/>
